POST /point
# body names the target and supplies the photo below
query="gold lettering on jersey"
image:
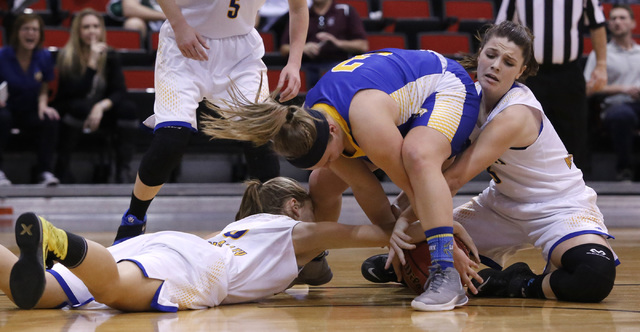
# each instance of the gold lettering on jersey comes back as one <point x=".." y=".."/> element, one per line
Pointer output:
<point x="353" y="63"/>
<point x="569" y="160"/>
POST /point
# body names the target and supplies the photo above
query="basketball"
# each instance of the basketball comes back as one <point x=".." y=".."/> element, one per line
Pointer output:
<point x="416" y="271"/>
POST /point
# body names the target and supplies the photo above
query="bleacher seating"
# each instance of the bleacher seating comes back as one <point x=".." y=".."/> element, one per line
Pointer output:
<point x="2" y="38"/>
<point x="451" y="44"/>
<point x="411" y="17"/>
<point x="469" y="15"/>
<point x="361" y="6"/>
<point x="138" y="78"/>
<point x="406" y="9"/>
<point x="155" y="38"/>
<point x="55" y="36"/>
<point x="74" y="6"/>
<point x="120" y="38"/>
<point x="386" y="40"/>
<point x="268" y="39"/>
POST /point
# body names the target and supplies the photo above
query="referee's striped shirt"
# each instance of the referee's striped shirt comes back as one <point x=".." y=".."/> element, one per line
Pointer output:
<point x="556" y="25"/>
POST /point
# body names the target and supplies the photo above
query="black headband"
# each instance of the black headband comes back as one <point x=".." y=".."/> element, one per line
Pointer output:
<point x="316" y="152"/>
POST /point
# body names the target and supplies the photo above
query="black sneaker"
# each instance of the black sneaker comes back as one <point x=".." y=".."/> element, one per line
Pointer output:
<point x="27" y="278"/>
<point x="373" y="269"/>
<point x="505" y="283"/>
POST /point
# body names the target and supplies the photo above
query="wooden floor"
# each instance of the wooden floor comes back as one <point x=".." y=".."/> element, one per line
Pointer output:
<point x="347" y="303"/>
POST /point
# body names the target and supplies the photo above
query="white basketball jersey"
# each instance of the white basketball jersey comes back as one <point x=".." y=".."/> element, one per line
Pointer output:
<point x="260" y="258"/>
<point x="220" y="18"/>
<point x="539" y="172"/>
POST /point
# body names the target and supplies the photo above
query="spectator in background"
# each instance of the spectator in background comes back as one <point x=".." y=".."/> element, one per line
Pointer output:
<point x="27" y="69"/>
<point x="621" y="104"/>
<point x="141" y="15"/>
<point x="558" y="27"/>
<point x="92" y="95"/>
<point x="335" y="34"/>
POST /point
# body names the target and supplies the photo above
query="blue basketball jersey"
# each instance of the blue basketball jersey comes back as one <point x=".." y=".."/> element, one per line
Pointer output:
<point x="413" y="78"/>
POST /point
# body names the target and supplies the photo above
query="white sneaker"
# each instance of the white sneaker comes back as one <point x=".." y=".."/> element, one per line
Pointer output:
<point x="48" y="179"/>
<point x="3" y="180"/>
<point x="442" y="291"/>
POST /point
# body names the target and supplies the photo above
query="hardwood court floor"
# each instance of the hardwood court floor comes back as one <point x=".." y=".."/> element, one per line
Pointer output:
<point x="350" y="303"/>
<point x="347" y="303"/>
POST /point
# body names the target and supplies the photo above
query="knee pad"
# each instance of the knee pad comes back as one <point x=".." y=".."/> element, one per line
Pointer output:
<point x="164" y="154"/>
<point x="587" y="274"/>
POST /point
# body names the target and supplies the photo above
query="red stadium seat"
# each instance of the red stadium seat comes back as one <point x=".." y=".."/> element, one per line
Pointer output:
<point x="39" y="5"/>
<point x="1" y="36"/>
<point x="406" y="9"/>
<point x="269" y="41"/>
<point x="361" y="6"/>
<point x="155" y="39"/>
<point x="446" y="43"/>
<point x="56" y="37"/>
<point x="74" y="6"/>
<point x="471" y="14"/>
<point x="636" y="14"/>
<point x="273" y="75"/>
<point x="124" y="39"/>
<point x="386" y="40"/>
<point x="139" y="77"/>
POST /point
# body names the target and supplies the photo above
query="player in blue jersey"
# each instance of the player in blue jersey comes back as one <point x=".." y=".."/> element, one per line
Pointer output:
<point x="403" y="111"/>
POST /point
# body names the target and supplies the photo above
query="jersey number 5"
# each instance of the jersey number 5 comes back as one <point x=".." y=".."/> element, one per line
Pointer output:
<point x="233" y="9"/>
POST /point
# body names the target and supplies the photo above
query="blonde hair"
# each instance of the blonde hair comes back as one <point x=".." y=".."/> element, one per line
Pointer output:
<point x="72" y="60"/>
<point x="289" y="127"/>
<point x="271" y="196"/>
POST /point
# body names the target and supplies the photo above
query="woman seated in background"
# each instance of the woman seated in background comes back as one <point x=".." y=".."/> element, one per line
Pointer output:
<point x="92" y="95"/>
<point x="27" y="69"/>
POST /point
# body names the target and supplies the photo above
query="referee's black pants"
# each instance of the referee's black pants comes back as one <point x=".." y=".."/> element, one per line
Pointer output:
<point x="561" y="90"/>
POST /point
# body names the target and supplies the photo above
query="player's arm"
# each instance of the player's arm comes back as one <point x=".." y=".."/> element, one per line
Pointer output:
<point x="298" y="26"/>
<point x="311" y="238"/>
<point x="516" y="126"/>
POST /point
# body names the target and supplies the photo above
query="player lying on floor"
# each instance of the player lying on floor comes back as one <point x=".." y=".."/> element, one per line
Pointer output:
<point x="252" y="258"/>
<point x="537" y="197"/>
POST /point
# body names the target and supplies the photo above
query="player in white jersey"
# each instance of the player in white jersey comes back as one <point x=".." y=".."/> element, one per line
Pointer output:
<point x="202" y="45"/>
<point x="403" y="111"/>
<point x="252" y="258"/>
<point x="537" y="197"/>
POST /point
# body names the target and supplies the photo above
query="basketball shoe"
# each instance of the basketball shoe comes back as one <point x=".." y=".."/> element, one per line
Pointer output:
<point x="505" y="283"/>
<point x="130" y="226"/>
<point x="373" y="269"/>
<point x="40" y="243"/>
<point x="442" y="291"/>
<point x="315" y="273"/>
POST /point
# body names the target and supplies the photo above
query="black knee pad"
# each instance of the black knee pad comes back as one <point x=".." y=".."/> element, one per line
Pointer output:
<point x="587" y="274"/>
<point x="164" y="154"/>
